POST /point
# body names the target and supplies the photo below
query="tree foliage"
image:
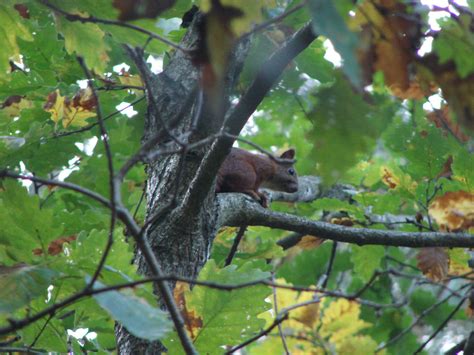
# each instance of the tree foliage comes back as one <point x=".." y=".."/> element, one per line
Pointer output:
<point x="386" y="123"/>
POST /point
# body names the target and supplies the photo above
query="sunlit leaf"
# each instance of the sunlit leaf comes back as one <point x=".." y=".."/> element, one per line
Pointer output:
<point x="328" y="22"/>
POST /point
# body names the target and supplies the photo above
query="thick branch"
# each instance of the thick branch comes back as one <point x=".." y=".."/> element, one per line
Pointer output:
<point x="309" y="189"/>
<point x="237" y="209"/>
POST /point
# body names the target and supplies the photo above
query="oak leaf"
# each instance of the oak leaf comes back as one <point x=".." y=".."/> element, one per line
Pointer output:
<point x="454" y="211"/>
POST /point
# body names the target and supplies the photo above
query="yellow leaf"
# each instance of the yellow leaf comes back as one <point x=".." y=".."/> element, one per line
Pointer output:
<point x="454" y="211"/>
<point x="76" y="117"/>
<point x="341" y="320"/>
<point x="393" y="177"/>
<point x="300" y="317"/>
<point x="73" y="112"/>
<point x="55" y="106"/>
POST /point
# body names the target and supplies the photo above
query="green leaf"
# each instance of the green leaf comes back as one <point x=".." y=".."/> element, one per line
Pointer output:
<point x="366" y="259"/>
<point x="258" y="243"/>
<point x="51" y="337"/>
<point x="11" y="27"/>
<point x="335" y="205"/>
<point x="228" y="317"/>
<point x="86" y="40"/>
<point x="420" y="300"/>
<point x="311" y="62"/>
<point x="328" y="22"/>
<point x="463" y="168"/>
<point x="22" y="283"/>
<point x="88" y="249"/>
<point x="342" y="119"/>
<point x="23" y="225"/>
<point x="381" y="203"/>
<point x="455" y="42"/>
<point x="136" y="315"/>
<point x="424" y="148"/>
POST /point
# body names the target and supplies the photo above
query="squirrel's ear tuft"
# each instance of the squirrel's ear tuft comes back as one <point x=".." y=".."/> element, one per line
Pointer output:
<point x="289" y="154"/>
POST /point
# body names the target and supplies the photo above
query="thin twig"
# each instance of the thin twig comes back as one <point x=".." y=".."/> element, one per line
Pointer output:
<point x="323" y="281"/>
<point x="119" y="87"/>
<point x="235" y="245"/>
<point x="142" y="196"/>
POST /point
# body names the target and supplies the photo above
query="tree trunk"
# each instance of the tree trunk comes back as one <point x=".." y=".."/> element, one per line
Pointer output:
<point x="180" y="237"/>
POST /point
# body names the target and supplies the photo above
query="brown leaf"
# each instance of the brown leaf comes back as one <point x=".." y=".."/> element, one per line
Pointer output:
<point x="137" y="9"/>
<point x="389" y="34"/>
<point x="342" y="221"/>
<point x="84" y="99"/>
<point x="23" y="10"/>
<point x="433" y="262"/>
<point x="446" y="172"/>
<point x="453" y="211"/>
<point x="310" y="242"/>
<point x="10" y="100"/>
<point x="56" y="246"/>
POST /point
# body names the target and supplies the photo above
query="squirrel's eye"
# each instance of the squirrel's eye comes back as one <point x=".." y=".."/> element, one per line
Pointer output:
<point x="291" y="171"/>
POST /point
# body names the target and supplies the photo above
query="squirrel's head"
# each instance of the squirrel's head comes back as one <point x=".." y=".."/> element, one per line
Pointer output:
<point x="285" y="178"/>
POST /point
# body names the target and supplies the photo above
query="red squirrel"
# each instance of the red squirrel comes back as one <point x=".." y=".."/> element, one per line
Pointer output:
<point x="245" y="172"/>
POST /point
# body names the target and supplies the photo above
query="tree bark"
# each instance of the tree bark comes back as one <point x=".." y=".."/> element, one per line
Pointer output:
<point x="180" y="238"/>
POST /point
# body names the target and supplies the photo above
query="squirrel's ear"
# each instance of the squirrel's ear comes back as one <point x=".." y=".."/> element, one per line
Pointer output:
<point x="289" y="154"/>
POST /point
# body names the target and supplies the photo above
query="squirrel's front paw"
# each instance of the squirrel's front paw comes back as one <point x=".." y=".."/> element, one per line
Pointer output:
<point x="263" y="200"/>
